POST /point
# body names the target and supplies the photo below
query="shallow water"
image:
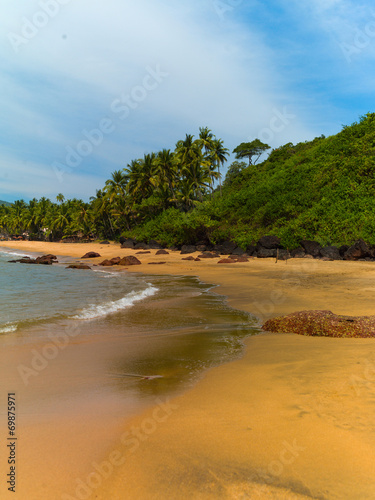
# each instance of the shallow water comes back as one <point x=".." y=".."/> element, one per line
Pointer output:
<point x="35" y="294"/>
<point x="85" y="357"/>
<point x="166" y="328"/>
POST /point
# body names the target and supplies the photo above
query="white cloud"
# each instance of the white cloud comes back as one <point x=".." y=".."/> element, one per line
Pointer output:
<point x="65" y="78"/>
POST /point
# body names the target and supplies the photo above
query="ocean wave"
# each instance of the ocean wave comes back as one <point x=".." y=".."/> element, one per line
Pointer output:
<point x="98" y="311"/>
<point x="16" y="254"/>
<point x="8" y="328"/>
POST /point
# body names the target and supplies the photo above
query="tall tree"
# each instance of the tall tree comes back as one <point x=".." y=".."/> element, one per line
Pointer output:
<point x="249" y="149"/>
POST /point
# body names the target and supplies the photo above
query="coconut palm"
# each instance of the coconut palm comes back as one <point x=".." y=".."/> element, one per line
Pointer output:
<point x="218" y="156"/>
<point x="166" y="165"/>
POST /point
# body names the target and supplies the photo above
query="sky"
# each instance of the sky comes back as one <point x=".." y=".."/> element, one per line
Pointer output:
<point x="87" y="85"/>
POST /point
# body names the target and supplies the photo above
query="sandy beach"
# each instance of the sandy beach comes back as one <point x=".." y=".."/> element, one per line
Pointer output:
<point x="293" y="418"/>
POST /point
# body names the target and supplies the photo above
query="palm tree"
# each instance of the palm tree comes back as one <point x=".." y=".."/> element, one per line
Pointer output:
<point x="166" y="170"/>
<point x="193" y="164"/>
<point x="116" y="186"/>
<point x="218" y="156"/>
<point x="206" y="137"/>
<point x="142" y="178"/>
<point x="100" y="211"/>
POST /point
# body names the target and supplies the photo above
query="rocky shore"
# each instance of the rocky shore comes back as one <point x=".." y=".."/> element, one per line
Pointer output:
<point x="268" y="247"/>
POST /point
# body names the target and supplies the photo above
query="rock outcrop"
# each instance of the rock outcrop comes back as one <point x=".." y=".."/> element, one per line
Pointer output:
<point x="91" y="255"/>
<point x="322" y="324"/>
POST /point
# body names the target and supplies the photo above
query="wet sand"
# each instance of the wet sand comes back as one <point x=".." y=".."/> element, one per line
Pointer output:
<point x="294" y="418"/>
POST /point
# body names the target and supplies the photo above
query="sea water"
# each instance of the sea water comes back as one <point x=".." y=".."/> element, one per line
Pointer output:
<point x="32" y="294"/>
<point x="168" y="327"/>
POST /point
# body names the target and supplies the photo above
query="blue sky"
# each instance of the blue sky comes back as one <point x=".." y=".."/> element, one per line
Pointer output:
<point x="88" y="86"/>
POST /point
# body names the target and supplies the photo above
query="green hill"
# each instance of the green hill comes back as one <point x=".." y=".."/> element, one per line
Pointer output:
<point x="5" y="203"/>
<point x="322" y="189"/>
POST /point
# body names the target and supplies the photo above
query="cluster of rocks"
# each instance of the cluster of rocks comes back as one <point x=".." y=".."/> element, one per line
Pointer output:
<point x="267" y="247"/>
<point x="47" y="260"/>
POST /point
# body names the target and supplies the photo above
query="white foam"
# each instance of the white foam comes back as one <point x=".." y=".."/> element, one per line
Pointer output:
<point x="8" y="328"/>
<point x="17" y="254"/>
<point x="98" y="311"/>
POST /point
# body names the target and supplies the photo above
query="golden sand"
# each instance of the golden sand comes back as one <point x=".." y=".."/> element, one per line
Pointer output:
<point x="294" y="418"/>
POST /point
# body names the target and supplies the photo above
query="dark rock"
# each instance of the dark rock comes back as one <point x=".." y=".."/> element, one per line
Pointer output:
<point x="130" y="260"/>
<point x="143" y="253"/>
<point x="188" y="258"/>
<point x="331" y="253"/>
<point x="269" y="242"/>
<point x="238" y="251"/>
<point x="208" y="255"/>
<point x="107" y="263"/>
<point x="105" y="242"/>
<point x="227" y="261"/>
<point x="359" y="250"/>
<point x="154" y="245"/>
<point x="115" y="260"/>
<point x="46" y="260"/>
<point x="49" y="256"/>
<point x="156" y="263"/>
<point x="90" y="255"/>
<point x="162" y="252"/>
<point x="197" y="259"/>
<point x="311" y="247"/>
<point x="141" y="246"/>
<point x="127" y="243"/>
<point x="265" y="253"/>
<point x="282" y="254"/>
<point x="241" y="258"/>
<point x="188" y="249"/>
<point x="228" y="247"/>
<point x="343" y="249"/>
<point x="298" y="253"/>
<point x="78" y="266"/>
<point x="201" y="248"/>
<point x="250" y="250"/>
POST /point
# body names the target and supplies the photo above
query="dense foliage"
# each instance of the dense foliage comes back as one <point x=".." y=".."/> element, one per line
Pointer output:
<point x="322" y="189"/>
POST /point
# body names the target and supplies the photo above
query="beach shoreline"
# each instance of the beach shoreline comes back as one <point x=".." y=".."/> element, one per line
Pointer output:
<point x="291" y="419"/>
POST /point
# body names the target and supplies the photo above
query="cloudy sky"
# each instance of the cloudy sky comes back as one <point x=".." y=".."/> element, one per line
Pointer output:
<point x="88" y="85"/>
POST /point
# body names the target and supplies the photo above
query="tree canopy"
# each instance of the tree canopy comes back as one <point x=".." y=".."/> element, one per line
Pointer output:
<point x="249" y="149"/>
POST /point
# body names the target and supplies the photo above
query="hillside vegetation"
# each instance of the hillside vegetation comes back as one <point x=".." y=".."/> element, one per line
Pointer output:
<point x="322" y="190"/>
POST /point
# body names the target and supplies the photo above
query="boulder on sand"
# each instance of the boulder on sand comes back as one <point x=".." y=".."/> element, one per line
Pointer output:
<point x="269" y="242"/>
<point x="129" y="260"/>
<point x="322" y="324"/>
<point x="90" y="255"/>
<point x="311" y="247"/>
